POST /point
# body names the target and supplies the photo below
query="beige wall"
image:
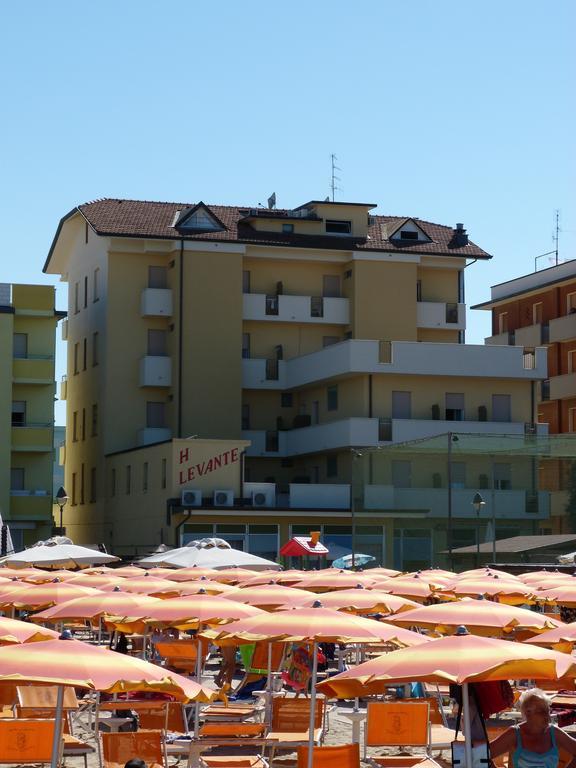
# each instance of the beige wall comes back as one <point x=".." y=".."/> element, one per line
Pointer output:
<point x="298" y="278"/>
<point x="438" y="284"/>
<point x="296" y="339"/>
<point x="6" y="330"/>
<point x="384" y="304"/>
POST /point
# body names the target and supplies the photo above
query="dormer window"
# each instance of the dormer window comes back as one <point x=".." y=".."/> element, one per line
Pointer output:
<point x="406" y="234"/>
<point x="198" y="219"/>
<point x="338" y="227"/>
<point x="288" y="228"/>
<point x="408" y="231"/>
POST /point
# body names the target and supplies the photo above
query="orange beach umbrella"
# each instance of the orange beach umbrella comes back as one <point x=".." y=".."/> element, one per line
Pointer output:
<point x="95" y="606"/>
<point x="271" y="596"/>
<point x="34" y="596"/>
<point x="360" y="600"/>
<point x="14" y="631"/>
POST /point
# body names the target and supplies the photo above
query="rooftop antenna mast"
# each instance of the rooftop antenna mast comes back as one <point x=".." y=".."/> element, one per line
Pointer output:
<point x="555" y="236"/>
<point x="334" y="178"/>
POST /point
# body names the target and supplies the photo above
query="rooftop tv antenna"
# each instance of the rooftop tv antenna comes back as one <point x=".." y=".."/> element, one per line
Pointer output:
<point x="334" y="178"/>
<point x="272" y="201"/>
<point x="555" y="239"/>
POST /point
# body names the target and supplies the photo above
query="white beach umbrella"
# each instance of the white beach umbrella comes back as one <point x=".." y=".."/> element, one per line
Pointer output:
<point x="210" y="553"/>
<point x="63" y="555"/>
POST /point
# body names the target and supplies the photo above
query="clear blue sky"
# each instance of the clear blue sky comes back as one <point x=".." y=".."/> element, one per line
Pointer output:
<point x="442" y="109"/>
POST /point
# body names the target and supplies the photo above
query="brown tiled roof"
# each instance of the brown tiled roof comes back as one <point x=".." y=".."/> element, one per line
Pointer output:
<point x="139" y="218"/>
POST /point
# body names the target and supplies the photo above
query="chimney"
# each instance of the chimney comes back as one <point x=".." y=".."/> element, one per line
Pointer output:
<point x="314" y="537"/>
<point x="460" y="236"/>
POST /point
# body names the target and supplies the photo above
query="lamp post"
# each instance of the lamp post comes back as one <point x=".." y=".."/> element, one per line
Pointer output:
<point x="61" y="500"/>
<point x="452" y="438"/>
<point x="355" y="455"/>
<point x="478" y="502"/>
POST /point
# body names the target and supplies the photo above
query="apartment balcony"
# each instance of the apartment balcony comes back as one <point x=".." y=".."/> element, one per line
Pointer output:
<point x="531" y="336"/>
<point x="63" y="388"/>
<point x="297" y="495"/>
<point x="440" y="314"/>
<point x="345" y="433"/>
<point x="155" y="371"/>
<point x="404" y="430"/>
<point x="562" y="387"/>
<point x="34" y="369"/>
<point x="563" y="328"/>
<point x="30" y="505"/>
<point x="506" y="338"/>
<point x="64" y="329"/>
<point x="156" y="302"/>
<point x="398" y="357"/>
<point x="32" y="438"/>
<point x="151" y="435"/>
<point x="515" y="504"/>
<point x="296" y="309"/>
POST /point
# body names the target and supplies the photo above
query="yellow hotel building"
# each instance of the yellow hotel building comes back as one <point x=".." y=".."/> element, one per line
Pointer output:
<point x="240" y="372"/>
<point x="27" y="388"/>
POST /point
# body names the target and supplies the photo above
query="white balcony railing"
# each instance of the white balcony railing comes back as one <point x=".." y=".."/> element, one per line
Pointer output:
<point x="296" y="309"/>
<point x="155" y="371"/>
<point x="439" y="314"/>
<point x="563" y="328"/>
<point x="398" y="357"/>
<point x="150" y="435"/>
<point x="156" y="302"/>
<point x="563" y="387"/>
<point x="529" y="336"/>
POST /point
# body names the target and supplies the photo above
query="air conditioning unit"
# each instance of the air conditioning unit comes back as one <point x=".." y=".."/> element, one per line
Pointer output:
<point x="223" y="498"/>
<point x="262" y="499"/>
<point x="191" y="498"/>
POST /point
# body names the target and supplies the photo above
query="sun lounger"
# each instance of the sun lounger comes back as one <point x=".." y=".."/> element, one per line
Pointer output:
<point x="26" y="741"/>
<point x="118" y="748"/>
<point x="342" y="756"/>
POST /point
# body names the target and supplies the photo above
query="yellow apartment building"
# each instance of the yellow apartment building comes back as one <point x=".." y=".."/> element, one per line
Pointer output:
<point x="306" y="340"/>
<point x="27" y="387"/>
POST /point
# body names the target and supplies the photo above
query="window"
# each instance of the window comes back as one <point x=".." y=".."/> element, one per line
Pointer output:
<point x="501" y="408"/>
<point x="94" y="427"/>
<point x="145" y="477"/>
<point x="163" y="474"/>
<point x="571" y="303"/>
<point x="85" y="291"/>
<point x="157" y="277"/>
<point x="338" y="227"/>
<point x="74" y="500"/>
<point x="503" y="322"/>
<point x="287" y="228"/>
<point x="75" y="426"/>
<point x="418" y="290"/>
<point x="286" y="399"/>
<point x="76" y="298"/>
<point x="20" y="345"/>
<point x="454" y="406"/>
<point x="83" y="423"/>
<point x="245" y="416"/>
<point x="332" y="398"/>
<point x="271" y="438"/>
<point x="93" y="485"/>
<point x="81" y="483"/>
<point x="572" y="361"/>
<point x="401" y="474"/>
<point x="113" y="482"/>
<point x="502" y="476"/>
<point x="17" y="478"/>
<point x="328" y="341"/>
<point x="157" y="343"/>
<point x="84" y="353"/>
<point x="155" y="415"/>
<point x="96" y="285"/>
<point x="245" y="346"/>
<point x="407" y="234"/>
<point x="315" y="412"/>
<point x="537" y="312"/>
<point x="571" y="419"/>
<point x="458" y="474"/>
<point x="332" y="465"/>
<point x="316" y="306"/>
<point x="95" y="350"/>
<point x="18" y="413"/>
<point x="76" y="356"/>
<point x="401" y="405"/>
<point x="128" y="479"/>
<point x="331" y="285"/>
<point x="200" y="220"/>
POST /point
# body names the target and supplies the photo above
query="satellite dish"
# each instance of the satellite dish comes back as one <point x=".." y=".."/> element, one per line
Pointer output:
<point x="327" y="199"/>
<point x="272" y="201"/>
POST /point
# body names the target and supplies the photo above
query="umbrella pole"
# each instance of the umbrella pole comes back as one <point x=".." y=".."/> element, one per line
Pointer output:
<point x="312" y="720"/>
<point x="55" y="758"/>
<point x="97" y="729"/>
<point x="199" y="681"/>
<point x="268" y="708"/>
<point x="467" y="734"/>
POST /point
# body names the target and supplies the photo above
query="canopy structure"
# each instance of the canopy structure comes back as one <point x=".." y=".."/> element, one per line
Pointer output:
<point x="210" y="553"/>
<point x="62" y="554"/>
<point x="304" y="546"/>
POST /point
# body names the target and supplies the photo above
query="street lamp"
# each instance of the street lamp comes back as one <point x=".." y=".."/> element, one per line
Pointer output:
<point x="355" y="455"/>
<point x="452" y="438"/>
<point x="478" y="502"/>
<point x="61" y="500"/>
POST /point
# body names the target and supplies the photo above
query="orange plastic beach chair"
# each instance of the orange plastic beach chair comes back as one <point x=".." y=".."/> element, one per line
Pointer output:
<point x="118" y="748"/>
<point x="233" y="761"/>
<point x="290" y="721"/>
<point x="342" y="756"/>
<point x="26" y="741"/>
<point x="392" y="724"/>
<point x="180" y="655"/>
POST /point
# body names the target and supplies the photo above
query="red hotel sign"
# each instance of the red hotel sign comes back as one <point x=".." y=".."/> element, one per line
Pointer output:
<point x="202" y="468"/>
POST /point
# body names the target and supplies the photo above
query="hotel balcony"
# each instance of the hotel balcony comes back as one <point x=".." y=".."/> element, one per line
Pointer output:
<point x="506" y="338"/>
<point x="296" y="309"/>
<point x="30" y="505"/>
<point x="32" y="438"/>
<point x="64" y="329"/>
<point x="156" y="302"/>
<point x="562" y="387"/>
<point x="155" y="371"/>
<point x="439" y="314"/>
<point x="563" y="328"/>
<point x="297" y="495"/>
<point x="368" y="432"/>
<point x="404" y="502"/>
<point x="396" y="357"/>
<point x="34" y="369"/>
<point x="63" y="387"/>
<point x="531" y="335"/>
<point x="150" y="435"/>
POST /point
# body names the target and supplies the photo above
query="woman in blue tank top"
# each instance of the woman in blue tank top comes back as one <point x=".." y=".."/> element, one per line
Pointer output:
<point x="535" y="743"/>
